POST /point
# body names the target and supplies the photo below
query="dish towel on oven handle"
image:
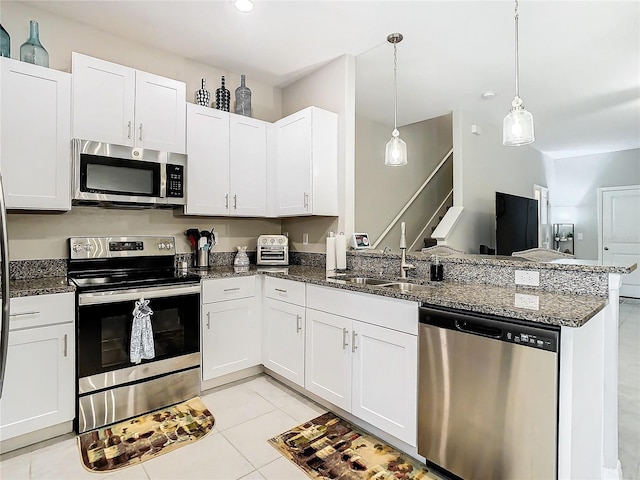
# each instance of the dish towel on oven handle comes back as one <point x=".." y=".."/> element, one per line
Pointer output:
<point x="141" y="333"/>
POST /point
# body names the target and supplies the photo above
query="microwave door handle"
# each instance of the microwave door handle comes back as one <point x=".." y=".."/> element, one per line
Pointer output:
<point x="163" y="180"/>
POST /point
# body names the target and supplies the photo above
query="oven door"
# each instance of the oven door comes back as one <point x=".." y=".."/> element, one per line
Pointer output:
<point x="104" y="324"/>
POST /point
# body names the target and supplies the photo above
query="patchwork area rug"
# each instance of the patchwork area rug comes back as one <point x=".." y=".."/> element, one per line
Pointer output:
<point x="329" y="447"/>
<point x="136" y="440"/>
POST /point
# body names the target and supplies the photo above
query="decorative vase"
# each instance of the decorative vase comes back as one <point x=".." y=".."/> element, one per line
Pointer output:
<point x="223" y="97"/>
<point x="202" y="95"/>
<point x="32" y="50"/>
<point x="241" y="260"/>
<point x="243" y="98"/>
<point x="5" y="43"/>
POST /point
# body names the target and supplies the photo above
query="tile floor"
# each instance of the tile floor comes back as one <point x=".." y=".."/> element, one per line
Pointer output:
<point x="247" y="413"/>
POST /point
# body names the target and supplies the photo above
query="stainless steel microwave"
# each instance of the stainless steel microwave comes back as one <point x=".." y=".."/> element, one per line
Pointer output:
<point x="108" y="174"/>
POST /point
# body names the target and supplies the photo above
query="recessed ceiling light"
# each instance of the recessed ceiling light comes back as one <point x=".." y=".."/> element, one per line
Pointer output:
<point x="488" y="95"/>
<point x="243" y="5"/>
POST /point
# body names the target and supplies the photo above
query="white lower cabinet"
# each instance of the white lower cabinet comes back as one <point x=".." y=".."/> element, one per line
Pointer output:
<point x="39" y="387"/>
<point x="284" y="338"/>
<point x="230" y="326"/>
<point x="362" y="356"/>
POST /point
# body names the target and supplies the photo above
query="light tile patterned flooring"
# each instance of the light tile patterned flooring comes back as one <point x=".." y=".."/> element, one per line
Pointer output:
<point x="250" y="412"/>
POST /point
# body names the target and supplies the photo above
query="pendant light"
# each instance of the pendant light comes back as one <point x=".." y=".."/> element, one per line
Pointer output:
<point x="395" y="154"/>
<point x="517" y="128"/>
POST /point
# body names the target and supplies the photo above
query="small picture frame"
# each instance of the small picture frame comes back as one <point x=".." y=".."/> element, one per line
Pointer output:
<point x="360" y="241"/>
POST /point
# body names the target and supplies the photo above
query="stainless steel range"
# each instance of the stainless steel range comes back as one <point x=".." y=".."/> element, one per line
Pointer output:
<point x="138" y="327"/>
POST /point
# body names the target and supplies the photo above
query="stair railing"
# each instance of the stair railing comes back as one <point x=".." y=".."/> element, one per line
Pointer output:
<point x="449" y="195"/>
<point x="412" y="199"/>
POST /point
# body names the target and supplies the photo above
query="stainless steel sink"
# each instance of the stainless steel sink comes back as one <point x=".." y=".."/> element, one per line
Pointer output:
<point x="366" y="281"/>
<point x="407" y="287"/>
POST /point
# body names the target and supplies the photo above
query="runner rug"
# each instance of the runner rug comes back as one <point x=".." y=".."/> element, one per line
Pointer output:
<point x="147" y="436"/>
<point x="329" y="447"/>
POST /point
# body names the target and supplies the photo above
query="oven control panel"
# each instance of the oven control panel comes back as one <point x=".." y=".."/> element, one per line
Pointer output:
<point x="113" y="247"/>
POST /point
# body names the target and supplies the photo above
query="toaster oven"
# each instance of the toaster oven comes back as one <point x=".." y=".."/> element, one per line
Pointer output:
<point x="272" y="250"/>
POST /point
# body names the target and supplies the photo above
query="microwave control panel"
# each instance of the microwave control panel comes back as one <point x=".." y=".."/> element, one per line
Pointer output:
<point x="175" y="181"/>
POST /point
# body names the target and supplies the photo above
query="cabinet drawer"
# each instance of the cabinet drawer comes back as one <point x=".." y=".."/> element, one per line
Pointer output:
<point x="285" y="290"/>
<point x="221" y="289"/>
<point x="42" y="310"/>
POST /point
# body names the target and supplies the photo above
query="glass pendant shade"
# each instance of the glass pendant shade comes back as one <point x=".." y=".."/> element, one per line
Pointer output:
<point x="517" y="128"/>
<point x="395" y="154"/>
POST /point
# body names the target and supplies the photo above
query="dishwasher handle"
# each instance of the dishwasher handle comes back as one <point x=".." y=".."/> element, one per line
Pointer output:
<point x="478" y="329"/>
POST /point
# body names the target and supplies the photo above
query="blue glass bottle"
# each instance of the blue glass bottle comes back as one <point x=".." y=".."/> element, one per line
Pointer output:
<point x="32" y="50"/>
<point x="5" y="43"/>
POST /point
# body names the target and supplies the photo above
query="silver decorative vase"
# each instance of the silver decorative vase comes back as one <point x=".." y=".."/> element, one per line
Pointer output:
<point x="243" y="98"/>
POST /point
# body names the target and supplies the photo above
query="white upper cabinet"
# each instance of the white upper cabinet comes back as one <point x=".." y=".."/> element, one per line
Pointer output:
<point x="305" y="164"/>
<point x="35" y="136"/>
<point x="227" y="165"/>
<point x="117" y="104"/>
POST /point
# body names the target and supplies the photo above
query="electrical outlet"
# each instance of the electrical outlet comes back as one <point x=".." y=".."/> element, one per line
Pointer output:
<point x="531" y="302"/>
<point x="528" y="277"/>
<point x="305" y="239"/>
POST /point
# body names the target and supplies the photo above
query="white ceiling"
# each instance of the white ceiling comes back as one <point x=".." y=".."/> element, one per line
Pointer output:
<point x="579" y="60"/>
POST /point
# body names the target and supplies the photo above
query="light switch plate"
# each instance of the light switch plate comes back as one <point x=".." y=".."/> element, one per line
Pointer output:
<point x="528" y="277"/>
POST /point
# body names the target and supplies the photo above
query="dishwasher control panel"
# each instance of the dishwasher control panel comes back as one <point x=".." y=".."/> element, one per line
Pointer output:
<point x="530" y="340"/>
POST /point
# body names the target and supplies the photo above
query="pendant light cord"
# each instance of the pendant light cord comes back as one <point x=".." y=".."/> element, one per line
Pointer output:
<point x="517" y="63"/>
<point x="395" y="85"/>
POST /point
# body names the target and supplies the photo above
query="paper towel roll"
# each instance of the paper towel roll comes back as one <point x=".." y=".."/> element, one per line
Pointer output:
<point x="331" y="252"/>
<point x="341" y="251"/>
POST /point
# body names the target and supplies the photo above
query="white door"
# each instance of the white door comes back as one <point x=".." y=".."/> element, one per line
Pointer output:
<point x="230" y="337"/>
<point x="160" y="112"/>
<point x="293" y="164"/>
<point x="283" y="343"/>
<point x="208" y="161"/>
<point x="39" y="384"/>
<point x="103" y="100"/>
<point x="35" y="149"/>
<point x="385" y="381"/>
<point x="621" y="233"/>
<point x="248" y="166"/>
<point x="328" y="357"/>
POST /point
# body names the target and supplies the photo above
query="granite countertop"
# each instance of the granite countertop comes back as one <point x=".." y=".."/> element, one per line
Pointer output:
<point x="554" y="309"/>
<point x="39" y="286"/>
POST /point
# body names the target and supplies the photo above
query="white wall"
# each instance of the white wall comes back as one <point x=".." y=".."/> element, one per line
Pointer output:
<point x="331" y="87"/>
<point x="482" y="166"/>
<point x="573" y="192"/>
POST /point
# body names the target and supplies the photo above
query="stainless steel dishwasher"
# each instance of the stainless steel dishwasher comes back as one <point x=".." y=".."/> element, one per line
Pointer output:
<point x="487" y="395"/>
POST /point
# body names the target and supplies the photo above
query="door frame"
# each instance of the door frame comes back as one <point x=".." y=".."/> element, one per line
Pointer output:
<point x="601" y="192"/>
<point x="538" y="191"/>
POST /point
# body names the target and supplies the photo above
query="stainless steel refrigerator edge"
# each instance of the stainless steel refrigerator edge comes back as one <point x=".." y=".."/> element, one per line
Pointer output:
<point x="4" y="278"/>
<point x="487" y="396"/>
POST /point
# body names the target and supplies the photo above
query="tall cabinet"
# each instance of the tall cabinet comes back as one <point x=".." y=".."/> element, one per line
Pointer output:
<point x="35" y="136"/>
<point x="116" y="104"/>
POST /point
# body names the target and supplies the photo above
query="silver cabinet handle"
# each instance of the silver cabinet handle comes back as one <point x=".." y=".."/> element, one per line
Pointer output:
<point x="65" y="344"/>
<point x="353" y="341"/>
<point x="345" y="336"/>
<point x="24" y="314"/>
<point x="140" y="131"/>
<point x="235" y="201"/>
<point x="306" y="200"/>
<point x="226" y="201"/>
<point x="129" y="130"/>
<point x="298" y="323"/>
<point x="208" y="320"/>
<point x="231" y="289"/>
<point x="280" y="290"/>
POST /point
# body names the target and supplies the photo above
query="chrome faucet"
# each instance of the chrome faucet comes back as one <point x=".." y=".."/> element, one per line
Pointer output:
<point x="404" y="266"/>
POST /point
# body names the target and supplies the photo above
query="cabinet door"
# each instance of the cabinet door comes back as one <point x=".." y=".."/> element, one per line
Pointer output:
<point x="35" y="147"/>
<point x="283" y="339"/>
<point x="385" y="365"/>
<point x="160" y="113"/>
<point x="248" y="166"/>
<point x="293" y="165"/>
<point x="103" y="100"/>
<point x="208" y="161"/>
<point x="39" y="384"/>
<point x="230" y="337"/>
<point x="328" y="357"/>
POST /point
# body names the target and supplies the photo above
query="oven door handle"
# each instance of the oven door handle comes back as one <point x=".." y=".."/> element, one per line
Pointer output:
<point x="114" y="296"/>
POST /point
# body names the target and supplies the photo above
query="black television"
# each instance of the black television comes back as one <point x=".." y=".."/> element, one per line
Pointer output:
<point x="516" y="223"/>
